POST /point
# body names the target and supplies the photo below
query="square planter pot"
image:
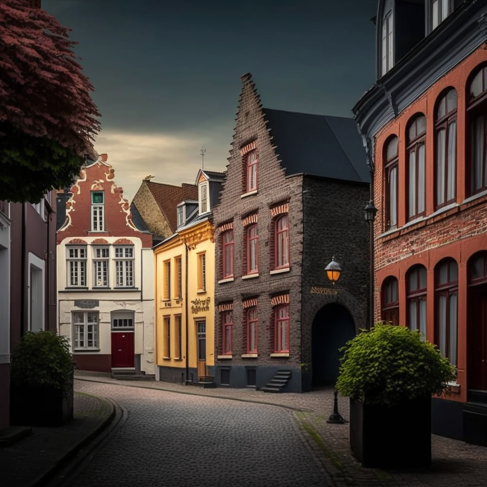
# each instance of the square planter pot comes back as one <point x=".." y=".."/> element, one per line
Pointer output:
<point x="40" y="406"/>
<point x="391" y="437"/>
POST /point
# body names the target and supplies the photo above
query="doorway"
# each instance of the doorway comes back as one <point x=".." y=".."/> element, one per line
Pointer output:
<point x="201" y="347"/>
<point x="477" y="337"/>
<point x="333" y="326"/>
<point x="122" y="340"/>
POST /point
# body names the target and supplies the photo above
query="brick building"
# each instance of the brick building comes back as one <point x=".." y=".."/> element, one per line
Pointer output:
<point x="293" y="197"/>
<point x="105" y="276"/>
<point x="424" y="126"/>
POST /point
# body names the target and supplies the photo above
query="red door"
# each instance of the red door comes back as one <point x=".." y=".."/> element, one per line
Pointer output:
<point x="477" y="351"/>
<point x="122" y="349"/>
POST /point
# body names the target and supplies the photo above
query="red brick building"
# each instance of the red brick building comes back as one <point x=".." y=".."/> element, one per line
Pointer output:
<point x="424" y="124"/>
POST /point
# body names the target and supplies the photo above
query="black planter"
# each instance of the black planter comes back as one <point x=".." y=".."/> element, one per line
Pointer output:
<point x="391" y="437"/>
<point x="40" y="406"/>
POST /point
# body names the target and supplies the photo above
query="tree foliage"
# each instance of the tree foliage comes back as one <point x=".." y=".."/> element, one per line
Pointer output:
<point x="44" y="101"/>
<point x="390" y="364"/>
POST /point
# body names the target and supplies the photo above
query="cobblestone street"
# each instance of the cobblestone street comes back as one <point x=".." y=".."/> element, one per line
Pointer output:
<point x="180" y="440"/>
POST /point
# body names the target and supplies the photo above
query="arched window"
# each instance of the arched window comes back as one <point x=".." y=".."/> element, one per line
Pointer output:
<point x="446" y="297"/>
<point x="390" y="301"/>
<point x="477" y="111"/>
<point x="416" y="299"/>
<point x="390" y="181"/>
<point x="416" y="166"/>
<point x="446" y="147"/>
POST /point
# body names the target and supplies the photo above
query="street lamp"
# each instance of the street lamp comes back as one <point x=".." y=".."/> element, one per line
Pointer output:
<point x="333" y="270"/>
<point x="370" y="211"/>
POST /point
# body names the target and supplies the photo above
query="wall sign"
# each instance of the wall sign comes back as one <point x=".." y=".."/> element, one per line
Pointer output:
<point x="198" y="305"/>
<point x="324" y="290"/>
<point x="86" y="303"/>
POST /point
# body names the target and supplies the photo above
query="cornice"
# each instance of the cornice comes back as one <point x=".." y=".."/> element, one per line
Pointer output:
<point x="198" y="233"/>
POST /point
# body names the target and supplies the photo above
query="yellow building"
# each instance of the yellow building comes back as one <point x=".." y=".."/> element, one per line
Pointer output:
<point x="185" y="283"/>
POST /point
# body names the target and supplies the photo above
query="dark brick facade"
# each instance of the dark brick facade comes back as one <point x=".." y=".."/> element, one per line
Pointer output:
<point x="325" y="219"/>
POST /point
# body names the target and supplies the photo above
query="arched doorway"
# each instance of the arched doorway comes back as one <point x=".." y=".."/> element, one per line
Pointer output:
<point x="333" y="326"/>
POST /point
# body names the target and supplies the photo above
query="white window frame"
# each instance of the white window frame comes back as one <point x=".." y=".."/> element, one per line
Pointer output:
<point x="387" y="54"/>
<point x="181" y="218"/>
<point x="97" y="213"/>
<point x="81" y="330"/>
<point x="101" y="266"/>
<point x="122" y="320"/>
<point x="124" y="266"/>
<point x="204" y="198"/>
<point x="81" y="266"/>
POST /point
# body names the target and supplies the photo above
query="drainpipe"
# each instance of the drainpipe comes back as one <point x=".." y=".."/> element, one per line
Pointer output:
<point x="187" y="315"/>
<point x="22" y="271"/>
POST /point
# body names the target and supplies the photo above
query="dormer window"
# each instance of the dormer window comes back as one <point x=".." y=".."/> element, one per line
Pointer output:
<point x="203" y="194"/>
<point x="440" y="10"/>
<point x="387" y="42"/>
<point x="180" y="216"/>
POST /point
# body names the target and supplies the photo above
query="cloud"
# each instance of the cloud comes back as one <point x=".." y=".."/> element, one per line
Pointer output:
<point x="171" y="158"/>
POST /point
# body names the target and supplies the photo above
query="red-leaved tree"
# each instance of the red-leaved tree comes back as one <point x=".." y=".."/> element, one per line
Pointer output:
<point x="47" y="117"/>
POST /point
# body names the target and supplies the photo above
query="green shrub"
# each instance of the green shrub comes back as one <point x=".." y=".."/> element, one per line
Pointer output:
<point x="390" y="364"/>
<point x="42" y="359"/>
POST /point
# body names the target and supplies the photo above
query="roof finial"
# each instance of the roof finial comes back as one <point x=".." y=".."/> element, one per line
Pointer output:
<point x="203" y="150"/>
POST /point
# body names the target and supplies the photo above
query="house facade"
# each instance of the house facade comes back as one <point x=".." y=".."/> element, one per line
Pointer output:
<point x="423" y="124"/>
<point x="293" y="198"/>
<point x="27" y="279"/>
<point x="105" y="276"/>
<point x="185" y="279"/>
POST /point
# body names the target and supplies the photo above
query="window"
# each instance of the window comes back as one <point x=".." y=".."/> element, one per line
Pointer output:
<point x="252" y="250"/>
<point x="252" y="326"/>
<point x="85" y="330"/>
<point x="281" y="330"/>
<point x="252" y="163"/>
<point x="97" y="212"/>
<point x="390" y="301"/>
<point x="391" y="179"/>
<point x="387" y="42"/>
<point x="416" y="299"/>
<point x="227" y="326"/>
<point x="228" y="254"/>
<point x="167" y="279"/>
<point x="477" y="108"/>
<point x="36" y="292"/>
<point x="167" y="336"/>
<point x="477" y="269"/>
<point x="124" y="266"/>
<point x="180" y="216"/>
<point x="446" y="294"/>
<point x="282" y="242"/>
<point x="122" y="320"/>
<point x="440" y="9"/>
<point x="178" y="337"/>
<point x="203" y="188"/>
<point x="40" y="208"/>
<point x="101" y="256"/>
<point x="416" y="167"/>
<point x="76" y="266"/>
<point x="201" y="272"/>
<point x="446" y="148"/>
<point x="179" y="278"/>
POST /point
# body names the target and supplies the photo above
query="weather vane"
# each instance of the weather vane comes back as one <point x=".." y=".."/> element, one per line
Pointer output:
<point x="203" y="150"/>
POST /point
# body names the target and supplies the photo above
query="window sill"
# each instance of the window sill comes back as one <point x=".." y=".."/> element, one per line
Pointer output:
<point x="85" y="350"/>
<point x="103" y="232"/>
<point x="224" y="281"/>
<point x="250" y="276"/>
<point x="126" y="288"/>
<point x="250" y="193"/>
<point x="166" y="358"/>
<point x="201" y="291"/>
<point x="249" y="355"/>
<point x="280" y="271"/>
<point x="454" y="387"/>
<point x="75" y="288"/>
<point x="224" y="357"/>
<point x="279" y="355"/>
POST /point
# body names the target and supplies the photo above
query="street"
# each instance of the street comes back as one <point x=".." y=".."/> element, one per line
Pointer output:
<point x="172" y="439"/>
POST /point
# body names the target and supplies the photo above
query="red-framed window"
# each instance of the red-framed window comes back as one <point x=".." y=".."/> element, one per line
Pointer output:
<point x="416" y="157"/>
<point x="252" y="324"/>
<point x="477" y="111"/>
<point x="446" y="148"/>
<point x="228" y="247"/>
<point x="227" y="332"/>
<point x="252" y="249"/>
<point x="281" y="247"/>
<point x="252" y="166"/>
<point x="416" y="299"/>
<point x="391" y="168"/>
<point x="446" y="297"/>
<point x="281" y="328"/>
<point x="390" y="301"/>
<point x="477" y="269"/>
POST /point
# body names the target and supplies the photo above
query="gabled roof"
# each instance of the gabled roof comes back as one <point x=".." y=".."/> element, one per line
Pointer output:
<point x="137" y="219"/>
<point x="319" y="145"/>
<point x="168" y="197"/>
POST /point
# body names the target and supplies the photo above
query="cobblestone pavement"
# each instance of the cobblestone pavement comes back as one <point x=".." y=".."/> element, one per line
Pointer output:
<point x="454" y="463"/>
<point x="176" y="440"/>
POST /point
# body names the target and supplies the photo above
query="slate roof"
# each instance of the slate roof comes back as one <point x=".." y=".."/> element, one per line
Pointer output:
<point x="168" y="197"/>
<point x="319" y="145"/>
<point x="137" y="219"/>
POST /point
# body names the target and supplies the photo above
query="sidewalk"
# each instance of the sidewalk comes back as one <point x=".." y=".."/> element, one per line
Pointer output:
<point x="454" y="463"/>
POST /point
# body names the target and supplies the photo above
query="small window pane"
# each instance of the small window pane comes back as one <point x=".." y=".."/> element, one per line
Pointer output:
<point x="391" y="151"/>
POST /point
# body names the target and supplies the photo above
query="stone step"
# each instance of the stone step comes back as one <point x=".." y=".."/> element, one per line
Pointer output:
<point x="477" y="396"/>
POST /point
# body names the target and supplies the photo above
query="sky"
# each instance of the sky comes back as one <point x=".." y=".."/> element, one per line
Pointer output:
<point x="166" y="73"/>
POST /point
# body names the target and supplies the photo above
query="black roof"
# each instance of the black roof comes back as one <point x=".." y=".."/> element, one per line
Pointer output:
<point x="137" y="219"/>
<point x="319" y="145"/>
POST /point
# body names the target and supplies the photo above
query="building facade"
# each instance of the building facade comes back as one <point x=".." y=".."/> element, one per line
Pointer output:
<point x="423" y="123"/>
<point x="27" y="279"/>
<point x="105" y="276"/>
<point x="293" y="197"/>
<point x="185" y="279"/>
